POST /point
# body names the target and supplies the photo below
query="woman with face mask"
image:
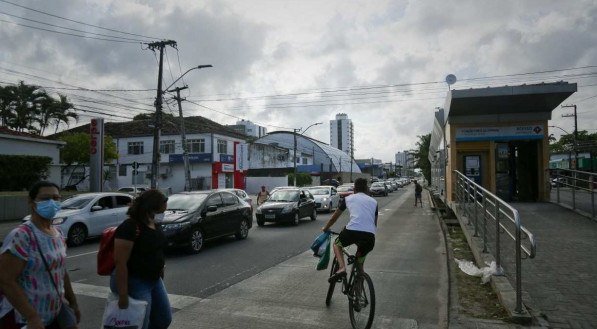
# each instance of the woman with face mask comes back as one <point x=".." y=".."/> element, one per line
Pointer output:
<point x="34" y="281"/>
<point x="139" y="245"/>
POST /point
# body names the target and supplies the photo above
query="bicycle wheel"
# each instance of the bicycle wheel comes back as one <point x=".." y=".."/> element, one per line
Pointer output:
<point x="361" y="302"/>
<point x="328" y="298"/>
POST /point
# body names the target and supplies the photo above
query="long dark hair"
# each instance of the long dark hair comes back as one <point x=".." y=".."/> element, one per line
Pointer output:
<point x="147" y="203"/>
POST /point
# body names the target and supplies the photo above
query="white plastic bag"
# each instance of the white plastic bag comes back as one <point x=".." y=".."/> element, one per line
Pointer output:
<point x="130" y="318"/>
<point x="485" y="273"/>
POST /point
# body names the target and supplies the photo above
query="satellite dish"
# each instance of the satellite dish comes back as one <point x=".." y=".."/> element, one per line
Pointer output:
<point x="450" y="79"/>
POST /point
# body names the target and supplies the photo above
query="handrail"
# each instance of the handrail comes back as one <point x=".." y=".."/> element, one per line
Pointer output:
<point x="489" y="206"/>
<point x="576" y="180"/>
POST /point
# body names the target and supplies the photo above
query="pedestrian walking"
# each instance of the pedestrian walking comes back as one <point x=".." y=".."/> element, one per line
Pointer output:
<point x="418" y="193"/>
<point x="139" y="245"/>
<point x="262" y="195"/>
<point x="35" y="289"/>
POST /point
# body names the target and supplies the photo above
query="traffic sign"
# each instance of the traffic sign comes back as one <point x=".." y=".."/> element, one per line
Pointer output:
<point x="135" y="165"/>
<point x="135" y="172"/>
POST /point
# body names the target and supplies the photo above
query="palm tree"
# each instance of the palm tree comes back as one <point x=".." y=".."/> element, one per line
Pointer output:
<point x="62" y="112"/>
<point x="24" y="106"/>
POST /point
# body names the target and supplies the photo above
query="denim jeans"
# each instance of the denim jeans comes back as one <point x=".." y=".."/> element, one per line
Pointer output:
<point x="159" y="314"/>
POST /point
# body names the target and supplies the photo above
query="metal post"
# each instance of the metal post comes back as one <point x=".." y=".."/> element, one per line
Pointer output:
<point x="183" y="138"/>
<point x="485" y="232"/>
<point x="518" y="308"/>
<point x="574" y="191"/>
<point x="475" y="203"/>
<point x="484" y="217"/>
<point x="497" y="233"/>
<point x="591" y="182"/>
<point x="558" y="184"/>
<point x="294" y="157"/>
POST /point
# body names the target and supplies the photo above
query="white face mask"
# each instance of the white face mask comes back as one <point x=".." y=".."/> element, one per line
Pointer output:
<point x="158" y="218"/>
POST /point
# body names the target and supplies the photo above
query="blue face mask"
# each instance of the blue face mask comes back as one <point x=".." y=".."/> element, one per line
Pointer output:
<point x="47" y="208"/>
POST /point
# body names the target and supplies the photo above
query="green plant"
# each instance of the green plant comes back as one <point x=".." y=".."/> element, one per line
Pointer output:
<point x="302" y="179"/>
<point x="18" y="172"/>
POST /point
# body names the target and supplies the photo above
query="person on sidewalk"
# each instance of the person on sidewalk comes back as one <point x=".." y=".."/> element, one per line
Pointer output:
<point x="418" y="193"/>
<point x="36" y="286"/>
<point x="139" y="245"/>
<point x="262" y="195"/>
<point x="361" y="228"/>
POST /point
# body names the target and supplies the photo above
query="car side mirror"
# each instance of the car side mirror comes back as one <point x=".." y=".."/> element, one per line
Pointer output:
<point x="212" y="208"/>
<point x="96" y="208"/>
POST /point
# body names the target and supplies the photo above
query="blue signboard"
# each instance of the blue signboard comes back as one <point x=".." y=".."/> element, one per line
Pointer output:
<point x="227" y="158"/>
<point x="193" y="158"/>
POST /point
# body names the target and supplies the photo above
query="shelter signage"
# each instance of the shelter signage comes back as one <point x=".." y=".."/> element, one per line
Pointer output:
<point x="467" y="134"/>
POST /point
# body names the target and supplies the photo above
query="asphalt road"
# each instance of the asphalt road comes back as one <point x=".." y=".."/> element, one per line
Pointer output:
<point x="221" y="264"/>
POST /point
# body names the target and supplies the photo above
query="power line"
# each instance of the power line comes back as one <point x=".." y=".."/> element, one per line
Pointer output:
<point x="79" y="22"/>
<point x="66" y="33"/>
<point x="70" y="29"/>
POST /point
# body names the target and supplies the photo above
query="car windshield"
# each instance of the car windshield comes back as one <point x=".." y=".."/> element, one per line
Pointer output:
<point x="284" y="196"/>
<point x="377" y="185"/>
<point x="185" y="202"/>
<point x="319" y="191"/>
<point x="125" y="189"/>
<point x="76" y="202"/>
<point x="344" y="189"/>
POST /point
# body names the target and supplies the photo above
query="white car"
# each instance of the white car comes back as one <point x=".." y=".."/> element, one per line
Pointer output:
<point x="88" y="214"/>
<point x="133" y="190"/>
<point x="326" y="197"/>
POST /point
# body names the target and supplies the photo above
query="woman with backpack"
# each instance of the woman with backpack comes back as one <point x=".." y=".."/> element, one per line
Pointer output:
<point x="35" y="289"/>
<point x="139" y="245"/>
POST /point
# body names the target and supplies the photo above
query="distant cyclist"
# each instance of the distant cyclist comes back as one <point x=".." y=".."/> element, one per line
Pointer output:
<point x="360" y="229"/>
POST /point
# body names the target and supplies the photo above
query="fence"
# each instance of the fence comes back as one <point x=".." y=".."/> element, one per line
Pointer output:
<point x="481" y="206"/>
<point x="575" y="189"/>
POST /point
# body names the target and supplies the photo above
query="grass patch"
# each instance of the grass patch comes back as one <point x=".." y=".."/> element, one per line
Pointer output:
<point x="475" y="299"/>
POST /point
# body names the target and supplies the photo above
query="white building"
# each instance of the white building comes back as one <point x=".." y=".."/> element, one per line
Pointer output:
<point x="18" y="143"/>
<point x="249" y="128"/>
<point x="342" y="134"/>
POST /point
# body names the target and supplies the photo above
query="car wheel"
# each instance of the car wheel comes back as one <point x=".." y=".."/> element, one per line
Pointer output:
<point x="295" y="220"/>
<point x="77" y="235"/>
<point x="243" y="230"/>
<point x="195" y="241"/>
<point x="314" y="214"/>
<point x="260" y="222"/>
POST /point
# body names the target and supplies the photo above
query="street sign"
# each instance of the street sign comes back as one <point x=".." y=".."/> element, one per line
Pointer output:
<point x="135" y="172"/>
<point x="135" y="165"/>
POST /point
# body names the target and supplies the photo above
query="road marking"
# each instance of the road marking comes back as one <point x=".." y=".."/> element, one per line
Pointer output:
<point x="176" y="301"/>
<point x="83" y="254"/>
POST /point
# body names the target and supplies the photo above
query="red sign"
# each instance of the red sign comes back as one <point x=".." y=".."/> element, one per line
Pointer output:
<point x="93" y="132"/>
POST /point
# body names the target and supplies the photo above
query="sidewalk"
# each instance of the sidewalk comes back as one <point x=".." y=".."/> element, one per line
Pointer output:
<point x="408" y="268"/>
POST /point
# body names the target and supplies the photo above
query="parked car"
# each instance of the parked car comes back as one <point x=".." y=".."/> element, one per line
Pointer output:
<point x="241" y="194"/>
<point x="331" y="182"/>
<point x="88" y="214"/>
<point x="326" y="197"/>
<point x="345" y="190"/>
<point x="192" y="218"/>
<point x="133" y="190"/>
<point x="287" y="205"/>
<point x="378" y="188"/>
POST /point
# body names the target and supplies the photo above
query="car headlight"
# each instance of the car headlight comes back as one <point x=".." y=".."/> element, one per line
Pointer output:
<point x="288" y="209"/>
<point x="59" y="220"/>
<point x="325" y="199"/>
<point x="175" y="226"/>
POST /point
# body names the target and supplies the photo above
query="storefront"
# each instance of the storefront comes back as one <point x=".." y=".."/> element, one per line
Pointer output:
<point x="231" y="170"/>
<point x="498" y="137"/>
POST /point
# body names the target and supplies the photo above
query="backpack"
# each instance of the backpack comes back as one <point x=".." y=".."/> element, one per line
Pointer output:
<point x="105" y="255"/>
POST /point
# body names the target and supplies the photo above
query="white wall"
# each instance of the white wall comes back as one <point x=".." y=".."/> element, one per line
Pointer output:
<point x="254" y="183"/>
<point x="38" y="147"/>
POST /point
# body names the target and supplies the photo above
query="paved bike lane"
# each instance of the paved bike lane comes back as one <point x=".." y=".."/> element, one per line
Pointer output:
<point x="407" y="267"/>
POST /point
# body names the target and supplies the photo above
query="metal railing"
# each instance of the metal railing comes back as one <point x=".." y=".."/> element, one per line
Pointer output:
<point x="575" y="189"/>
<point x="480" y="206"/>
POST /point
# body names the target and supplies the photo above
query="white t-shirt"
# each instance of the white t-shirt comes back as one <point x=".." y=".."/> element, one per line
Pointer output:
<point x="363" y="210"/>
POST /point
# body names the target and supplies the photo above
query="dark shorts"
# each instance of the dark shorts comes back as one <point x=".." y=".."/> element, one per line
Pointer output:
<point x="417" y="195"/>
<point x="365" y="241"/>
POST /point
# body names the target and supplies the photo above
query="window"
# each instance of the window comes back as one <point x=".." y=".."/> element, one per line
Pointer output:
<point x="167" y="147"/>
<point x="122" y="170"/>
<point x="214" y="200"/>
<point x="222" y="146"/>
<point x="123" y="201"/>
<point x="229" y="199"/>
<point x="196" y="145"/>
<point x="135" y="148"/>
<point x="305" y="161"/>
<point x="105" y="203"/>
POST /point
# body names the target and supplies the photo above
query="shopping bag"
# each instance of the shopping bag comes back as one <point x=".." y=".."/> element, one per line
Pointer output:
<point x="325" y="258"/>
<point x="129" y="318"/>
<point x="318" y="246"/>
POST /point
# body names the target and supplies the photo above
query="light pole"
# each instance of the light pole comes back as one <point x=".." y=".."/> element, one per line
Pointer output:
<point x="294" y="131"/>
<point x="183" y="137"/>
<point x="155" y="165"/>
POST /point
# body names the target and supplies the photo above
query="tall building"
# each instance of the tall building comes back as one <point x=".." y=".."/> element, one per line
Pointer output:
<point x="249" y="128"/>
<point x="342" y="134"/>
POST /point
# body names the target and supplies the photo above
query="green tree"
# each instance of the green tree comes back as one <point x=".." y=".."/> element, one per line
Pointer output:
<point x="421" y="156"/>
<point x="56" y="111"/>
<point x="566" y="142"/>
<point x="76" y="150"/>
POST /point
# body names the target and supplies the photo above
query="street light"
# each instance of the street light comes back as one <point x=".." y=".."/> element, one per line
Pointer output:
<point x="294" y="131"/>
<point x="569" y="153"/>
<point x="155" y="161"/>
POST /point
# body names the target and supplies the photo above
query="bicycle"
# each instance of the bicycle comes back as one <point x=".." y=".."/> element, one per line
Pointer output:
<point x="358" y="287"/>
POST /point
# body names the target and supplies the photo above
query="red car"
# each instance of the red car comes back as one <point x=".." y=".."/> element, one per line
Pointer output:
<point x="345" y="190"/>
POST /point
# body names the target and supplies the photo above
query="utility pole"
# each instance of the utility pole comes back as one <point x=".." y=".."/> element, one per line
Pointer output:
<point x="575" y="133"/>
<point x="183" y="138"/>
<point x="294" y="131"/>
<point x="157" y="128"/>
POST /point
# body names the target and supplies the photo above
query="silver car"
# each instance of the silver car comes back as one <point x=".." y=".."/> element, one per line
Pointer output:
<point x="89" y="214"/>
<point x="326" y="197"/>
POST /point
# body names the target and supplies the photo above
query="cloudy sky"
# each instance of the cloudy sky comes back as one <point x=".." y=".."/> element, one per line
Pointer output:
<point x="287" y="64"/>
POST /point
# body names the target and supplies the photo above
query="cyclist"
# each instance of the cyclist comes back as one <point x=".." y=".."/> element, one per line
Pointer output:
<point x="361" y="228"/>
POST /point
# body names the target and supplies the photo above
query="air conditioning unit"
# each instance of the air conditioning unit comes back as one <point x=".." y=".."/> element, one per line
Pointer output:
<point x="165" y="171"/>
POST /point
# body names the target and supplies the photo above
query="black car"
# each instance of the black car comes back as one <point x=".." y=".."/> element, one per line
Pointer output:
<point x="287" y="205"/>
<point x="195" y="217"/>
